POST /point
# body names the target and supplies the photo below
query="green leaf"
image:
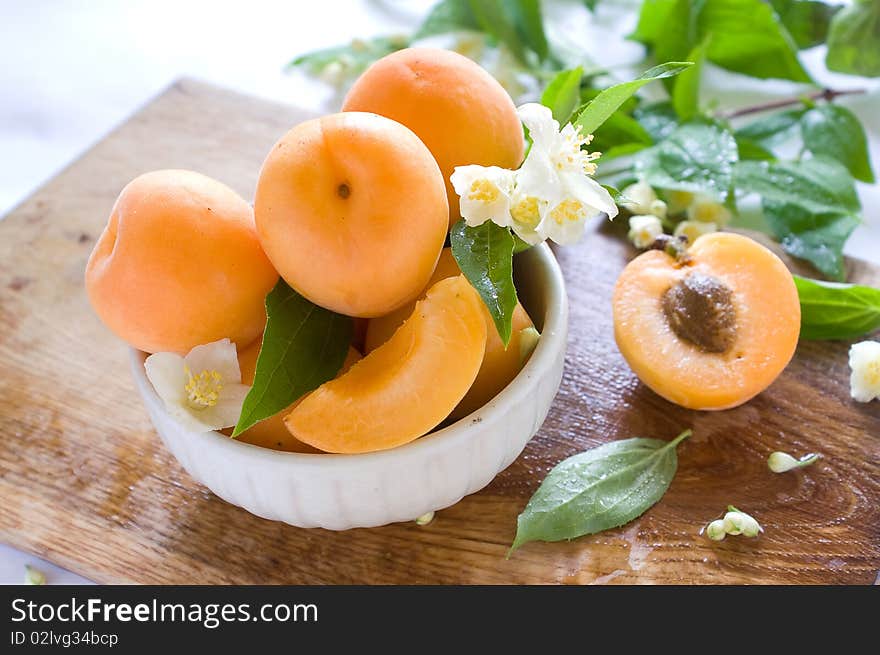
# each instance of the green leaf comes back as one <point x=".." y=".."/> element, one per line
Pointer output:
<point x="485" y="256"/>
<point x="835" y="132"/>
<point x="749" y="149"/>
<point x="609" y="100"/>
<point x="772" y="129"/>
<point x="686" y="91"/>
<point x="837" y="311"/>
<point x="496" y="22"/>
<point x="599" y="489"/>
<point x="806" y="20"/>
<point x="357" y="55"/>
<point x="854" y="40"/>
<point x="747" y="37"/>
<point x="519" y="245"/>
<point x="614" y="192"/>
<point x="591" y="4"/>
<point x="810" y="206"/>
<point x="622" y="150"/>
<point x="530" y="25"/>
<point x="448" y="16"/>
<point x="619" y="129"/>
<point x="563" y="93"/>
<point x="697" y="157"/>
<point x="659" y="119"/>
<point x="668" y="27"/>
<point x="304" y="346"/>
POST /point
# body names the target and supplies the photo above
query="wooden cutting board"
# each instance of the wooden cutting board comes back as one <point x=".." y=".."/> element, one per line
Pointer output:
<point x="86" y="483"/>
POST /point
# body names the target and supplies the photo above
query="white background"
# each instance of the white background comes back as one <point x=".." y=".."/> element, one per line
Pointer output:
<point x="71" y="70"/>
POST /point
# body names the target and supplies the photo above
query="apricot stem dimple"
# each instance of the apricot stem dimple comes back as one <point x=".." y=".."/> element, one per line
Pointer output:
<point x="699" y="309"/>
<point x="343" y="190"/>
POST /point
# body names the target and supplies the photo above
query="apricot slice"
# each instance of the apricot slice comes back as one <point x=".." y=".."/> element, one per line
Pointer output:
<point x="351" y="209"/>
<point x="458" y="109"/>
<point x="499" y="365"/>
<point x="271" y="432"/>
<point x="179" y="265"/>
<point x="712" y="331"/>
<point x="406" y="386"/>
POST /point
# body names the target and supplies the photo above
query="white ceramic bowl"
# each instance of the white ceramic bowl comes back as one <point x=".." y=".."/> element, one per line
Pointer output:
<point x="339" y="492"/>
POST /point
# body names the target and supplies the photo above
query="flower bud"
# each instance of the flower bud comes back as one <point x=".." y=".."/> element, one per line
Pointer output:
<point x="678" y="201"/>
<point x="779" y="462"/>
<point x="704" y="209"/>
<point x="638" y="198"/>
<point x="736" y="522"/>
<point x="33" y="576"/>
<point x="644" y="230"/>
<point x="693" y="229"/>
<point x="424" y="519"/>
<point x="658" y="208"/>
<point x="715" y="530"/>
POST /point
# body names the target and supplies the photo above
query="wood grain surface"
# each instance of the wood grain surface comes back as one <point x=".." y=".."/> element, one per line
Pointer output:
<point x="86" y="483"/>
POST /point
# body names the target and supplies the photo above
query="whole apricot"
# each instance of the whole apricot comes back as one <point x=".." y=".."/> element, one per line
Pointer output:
<point x="271" y="432"/>
<point x="458" y="109"/>
<point x="351" y="210"/>
<point x="406" y="386"/>
<point x="500" y="365"/>
<point x="710" y="330"/>
<point x="179" y="264"/>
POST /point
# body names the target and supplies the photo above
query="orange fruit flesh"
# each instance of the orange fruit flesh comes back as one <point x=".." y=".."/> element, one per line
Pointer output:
<point x="271" y="432"/>
<point x="499" y="365"/>
<point x="767" y="323"/>
<point x="407" y="386"/>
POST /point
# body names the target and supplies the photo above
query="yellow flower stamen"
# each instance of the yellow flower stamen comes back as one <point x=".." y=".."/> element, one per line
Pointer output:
<point x="872" y="373"/>
<point x="572" y="155"/>
<point x="568" y="211"/>
<point x="203" y="390"/>
<point x="525" y="212"/>
<point x="483" y="191"/>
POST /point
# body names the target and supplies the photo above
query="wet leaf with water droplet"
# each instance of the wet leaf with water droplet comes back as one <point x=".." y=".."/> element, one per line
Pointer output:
<point x="599" y="489"/>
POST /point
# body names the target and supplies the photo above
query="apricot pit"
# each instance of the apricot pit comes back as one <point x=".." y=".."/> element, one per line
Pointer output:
<point x="711" y="329"/>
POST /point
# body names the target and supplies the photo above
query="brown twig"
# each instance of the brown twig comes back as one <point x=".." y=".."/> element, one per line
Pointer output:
<point x="825" y="94"/>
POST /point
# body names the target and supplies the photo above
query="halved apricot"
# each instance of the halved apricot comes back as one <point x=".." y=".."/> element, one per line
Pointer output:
<point x="711" y="330"/>
<point x="351" y="209"/>
<point x="271" y="432"/>
<point x="405" y="387"/>
<point x="500" y="365"/>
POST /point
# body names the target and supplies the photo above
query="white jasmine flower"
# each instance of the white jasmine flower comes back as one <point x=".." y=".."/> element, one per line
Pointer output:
<point x="639" y="197"/>
<point x="527" y="212"/>
<point x="484" y="192"/>
<point x="704" y="209"/>
<point x="678" y="201"/>
<point x="554" y="181"/>
<point x="780" y="462"/>
<point x="694" y="229"/>
<point x="202" y="390"/>
<point x="644" y="230"/>
<point x="864" y="360"/>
